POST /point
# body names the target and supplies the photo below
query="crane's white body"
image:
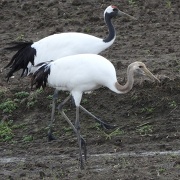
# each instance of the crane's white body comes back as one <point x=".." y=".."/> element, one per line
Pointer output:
<point x="81" y="73"/>
<point x="55" y="46"/>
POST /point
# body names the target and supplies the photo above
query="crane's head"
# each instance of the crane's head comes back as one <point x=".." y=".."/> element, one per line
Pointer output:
<point x="113" y="11"/>
<point x="140" y="69"/>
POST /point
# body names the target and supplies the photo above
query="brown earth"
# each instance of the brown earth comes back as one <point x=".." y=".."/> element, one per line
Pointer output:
<point x="146" y="145"/>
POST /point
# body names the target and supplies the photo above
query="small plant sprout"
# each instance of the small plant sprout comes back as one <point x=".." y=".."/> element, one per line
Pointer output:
<point x="147" y="52"/>
<point x="68" y="130"/>
<point x="144" y="129"/>
<point x="31" y="104"/>
<point x="5" y="132"/>
<point x="50" y="97"/>
<point x="148" y="110"/>
<point x="132" y="2"/>
<point x="2" y="93"/>
<point x="168" y="4"/>
<point x="125" y="162"/>
<point x="84" y="101"/>
<point x="20" y="37"/>
<point x="35" y="94"/>
<point x="134" y="97"/>
<point x="32" y="98"/>
<point x="28" y="138"/>
<point x="39" y="91"/>
<point x="112" y="134"/>
<point x="19" y="126"/>
<point x="21" y="94"/>
<point x="160" y="171"/>
<point x="8" y="106"/>
<point x="87" y="30"/>
<point x="173" y="104"/>
<point x="96" y="126"/>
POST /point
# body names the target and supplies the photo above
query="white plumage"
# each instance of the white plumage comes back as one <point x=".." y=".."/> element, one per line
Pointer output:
<point x="69" y="43"/>
<point x="73" y="43"/>
<point x="84" y="72"/>
<point x="60" y="45"/>
<point x="69" y="73"/>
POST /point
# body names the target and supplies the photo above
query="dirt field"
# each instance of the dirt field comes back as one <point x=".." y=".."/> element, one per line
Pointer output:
<point x="146" y="143"/>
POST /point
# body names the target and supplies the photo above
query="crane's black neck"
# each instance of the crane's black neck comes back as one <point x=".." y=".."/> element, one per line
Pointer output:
<point x="111" y="29"/>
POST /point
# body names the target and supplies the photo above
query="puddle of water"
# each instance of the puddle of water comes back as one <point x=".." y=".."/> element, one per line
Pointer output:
<point x="11" y="159"/>
<point x="136" y="154"/>
<point x="6" y="160"/>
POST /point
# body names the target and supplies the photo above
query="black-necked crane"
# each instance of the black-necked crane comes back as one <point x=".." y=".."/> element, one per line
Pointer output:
<point x="60" y="45"/>
<point x="81" y="73"/>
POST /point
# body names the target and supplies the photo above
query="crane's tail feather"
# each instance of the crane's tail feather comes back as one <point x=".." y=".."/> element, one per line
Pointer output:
<point x="15" y="45"/>
<point x="25" y="54"/>
<point x="40" y="76"/>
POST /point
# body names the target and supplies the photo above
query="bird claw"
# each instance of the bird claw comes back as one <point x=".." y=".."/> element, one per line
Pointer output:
<point x="107" y="126"/>
<point x="50" y="137"/>
<point x="83" y="145"/>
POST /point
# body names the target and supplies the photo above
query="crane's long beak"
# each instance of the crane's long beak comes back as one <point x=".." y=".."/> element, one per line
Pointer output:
<point x="123" y="13"/>
<point x="150" y="75"/>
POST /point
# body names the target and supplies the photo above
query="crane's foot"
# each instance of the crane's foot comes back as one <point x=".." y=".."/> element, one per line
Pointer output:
<point x="83" y="145"/>
<point x="104" y="124"/>
<point x="51" y="136"/>
<point x="81" y="165"/>
<point x="107" y="126"/>
<point x="83" y="148"/>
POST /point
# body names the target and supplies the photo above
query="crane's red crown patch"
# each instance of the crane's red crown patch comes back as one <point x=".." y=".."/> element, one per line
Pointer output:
<point x="113" y="6"/>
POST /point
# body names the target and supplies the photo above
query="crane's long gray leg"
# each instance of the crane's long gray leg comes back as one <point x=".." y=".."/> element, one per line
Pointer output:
<point x="102" y="123"/>
<point x="55" y="97"/>
<point x="77" y="125"/>
<point x="81" y="141"/>
<point x="60" y="106"/>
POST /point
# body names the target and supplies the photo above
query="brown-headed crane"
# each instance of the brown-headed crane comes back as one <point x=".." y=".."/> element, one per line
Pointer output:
<point x="82" y="73"/>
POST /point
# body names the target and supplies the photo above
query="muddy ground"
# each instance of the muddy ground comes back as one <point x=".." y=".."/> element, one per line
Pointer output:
<point x="145" y="144"/>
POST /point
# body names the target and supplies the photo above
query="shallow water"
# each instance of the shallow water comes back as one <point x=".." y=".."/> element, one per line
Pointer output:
<point x="5" y="160"/>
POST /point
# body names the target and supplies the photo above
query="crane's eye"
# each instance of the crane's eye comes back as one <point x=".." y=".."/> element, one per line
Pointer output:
<point x="140" y="66"/>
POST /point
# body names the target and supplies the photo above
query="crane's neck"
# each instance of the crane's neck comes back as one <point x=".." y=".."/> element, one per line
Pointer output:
<point x="129" y="84"/>
<point x="111" y="29"/>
